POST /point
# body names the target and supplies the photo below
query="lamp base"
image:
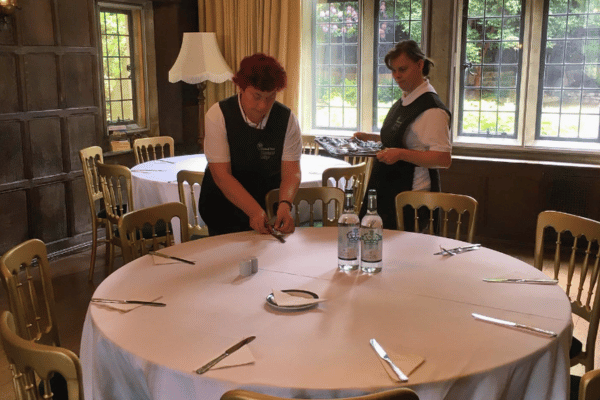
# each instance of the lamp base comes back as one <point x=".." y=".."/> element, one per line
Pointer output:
<point x="201" y="86"/>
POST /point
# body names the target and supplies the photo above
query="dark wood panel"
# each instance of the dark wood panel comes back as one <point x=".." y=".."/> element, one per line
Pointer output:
<point x="79" y="89"/>
<point x="37" y="28"/>
<point x="13" y="224"/>
<point x="48" y="212"/>
<point x="74" y="31"/>
<point x="81" y="130"/>
<point x="41" y="81"/>
<point x="46" y="147"/>
<point x="11" y="154"/>
<point x="9" y="100"/>
<point x="81" y="208"/>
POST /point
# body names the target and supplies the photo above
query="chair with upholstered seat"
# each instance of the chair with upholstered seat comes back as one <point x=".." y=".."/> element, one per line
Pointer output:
<point x="148" y="229"/>
<point x="323" y="197"/>
<point x="394" y="394"/>
<point x="583" y="257"/>
<point x="194" y="182"/>
<point x="309" y="146"/>
<point x="117" y="190"/>
<point x="89" y="157"/>
<point x="451" y="209"/>
<point x="29" y="359"/>
<point x="153" y="148"/>
<point x="26" y="278"/>
<point x="355" y="176"/>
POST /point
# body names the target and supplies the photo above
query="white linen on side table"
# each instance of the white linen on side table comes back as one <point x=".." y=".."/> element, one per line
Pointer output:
<point x="155" y="182"/>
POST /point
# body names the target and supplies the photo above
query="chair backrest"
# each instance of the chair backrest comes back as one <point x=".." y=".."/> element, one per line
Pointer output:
<point x="309" y="146"/>
<point x="445" y="202"/>
<point x="117" y="190"/>
<point x="356" y="176"/>
<point x="394" y="394"/>
<point x="589" y="386"/>
<point x="27" y="280"/>
<point x="194" y="183"/>
<point x="28" y="359"/>
<point x="90" y="156"/>
<point x="149" y="229"/>
<point x="323" y="197"/>
<point x="584" y="302"/>
<point x="153" y="148"/>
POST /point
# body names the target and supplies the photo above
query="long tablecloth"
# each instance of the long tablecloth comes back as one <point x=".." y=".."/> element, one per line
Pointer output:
<point x="419" y="304"/>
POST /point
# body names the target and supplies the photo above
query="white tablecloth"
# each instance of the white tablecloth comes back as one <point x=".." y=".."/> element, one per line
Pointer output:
<point x="155" y="182"/>
<point x="420" y="304"/>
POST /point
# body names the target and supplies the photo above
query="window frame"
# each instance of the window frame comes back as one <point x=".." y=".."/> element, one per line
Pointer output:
<point x="525" y="146"/>
<point x="146" y="106"/>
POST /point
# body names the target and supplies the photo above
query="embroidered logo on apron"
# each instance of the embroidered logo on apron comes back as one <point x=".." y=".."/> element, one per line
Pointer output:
<point x="265" y="152"/>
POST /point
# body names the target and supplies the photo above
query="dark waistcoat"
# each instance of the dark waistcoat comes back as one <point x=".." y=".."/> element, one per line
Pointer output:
<point x="255" y="162"/>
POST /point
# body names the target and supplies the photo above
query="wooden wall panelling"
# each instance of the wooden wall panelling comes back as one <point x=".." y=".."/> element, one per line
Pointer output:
<point x="9" y="100"/>
<point x="48" y="212"/>
<point x="13" y="224"/>
<point x="76" y="32"/>
<point x="46" y="147"/>
<point x="35" y="21"/>
<point x="41" y="85"/>
<point x="11" y="154"/>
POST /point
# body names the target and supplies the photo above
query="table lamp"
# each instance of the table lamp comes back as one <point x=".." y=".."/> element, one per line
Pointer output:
<point x="200" y="60"/>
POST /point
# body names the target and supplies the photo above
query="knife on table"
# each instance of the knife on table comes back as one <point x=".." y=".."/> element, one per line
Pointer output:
<point x="513" y="324"/>
<point x="227" y="352"/>
<point x="144" y="303"/>
<point x="522" y="280"/>
<point x="458" y="250"/>
<point x="155" y="253"/>
<point x="381" y="353"/>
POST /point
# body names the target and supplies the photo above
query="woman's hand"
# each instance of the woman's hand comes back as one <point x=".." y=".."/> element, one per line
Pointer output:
<point x="258" y="222"/>
<point x="389" y="155"/>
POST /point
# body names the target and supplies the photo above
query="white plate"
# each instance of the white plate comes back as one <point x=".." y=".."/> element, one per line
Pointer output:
<point x="293" y="292"/>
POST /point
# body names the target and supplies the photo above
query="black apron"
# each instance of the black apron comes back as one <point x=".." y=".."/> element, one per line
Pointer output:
<point x="389" y="180"/>
<point x="255" y="162"/>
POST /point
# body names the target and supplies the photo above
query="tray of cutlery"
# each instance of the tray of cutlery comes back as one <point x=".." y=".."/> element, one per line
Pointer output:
<point x="344" y="146"/>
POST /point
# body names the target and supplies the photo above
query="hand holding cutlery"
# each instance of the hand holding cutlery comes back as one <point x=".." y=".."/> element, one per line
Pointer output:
<point x="513" y="324"/>
<point x="155" y="253"/>
<point x="383" y="355"/>
<point x="140" y="302"/>
<point x="227" y="352"/>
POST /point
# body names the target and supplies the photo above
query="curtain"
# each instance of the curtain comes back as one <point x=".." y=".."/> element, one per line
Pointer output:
<point x="245" y="27"/>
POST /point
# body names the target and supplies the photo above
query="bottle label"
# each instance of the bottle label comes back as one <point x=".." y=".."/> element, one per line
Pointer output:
<point x="348" y="239"/>
<point x="371" y="250"/>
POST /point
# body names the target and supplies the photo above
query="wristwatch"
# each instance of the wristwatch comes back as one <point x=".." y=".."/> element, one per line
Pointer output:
<point x="289" y="203"/>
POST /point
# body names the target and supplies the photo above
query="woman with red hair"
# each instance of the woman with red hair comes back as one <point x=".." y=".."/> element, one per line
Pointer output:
<point x="253" y="144"/>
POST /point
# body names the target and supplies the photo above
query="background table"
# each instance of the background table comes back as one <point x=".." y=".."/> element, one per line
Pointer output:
<point x="420" y="304"/>
<point x="155" y="182"/>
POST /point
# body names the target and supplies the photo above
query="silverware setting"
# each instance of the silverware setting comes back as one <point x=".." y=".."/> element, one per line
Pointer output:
<point x="140" y="302"/>
<point x="155" y="253"/>
<point x="383" y="355"/>
<point x="227" y="352"/>
<point x="163" y="160"/>
<point x="522" y="280"/>
<point x="457" y="250"/>
<point x="513" y="325"/>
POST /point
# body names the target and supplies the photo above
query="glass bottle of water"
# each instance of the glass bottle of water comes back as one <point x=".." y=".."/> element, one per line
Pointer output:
<point x="371" y="237"/>
<point x="348" y="235"/>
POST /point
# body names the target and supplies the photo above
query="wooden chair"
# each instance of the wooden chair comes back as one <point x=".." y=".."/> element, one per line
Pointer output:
<point x="29" y="359"/>
<point x="194" y="181"/>
<point x="394" y="394"/>
<point x="589" y="386"/>
<point x="311" y="195"/>
<point x="90" y="156"/>
<point x="27" y="281"/>
<point x="445" y="202"/>
<point x="309" y="146"/>
<point x="586" y="305"/>
<point x="149" y="229"/>
<point x="118" y="199"/>
<point x="153" y="148"/>
<point x="356" y="175"/>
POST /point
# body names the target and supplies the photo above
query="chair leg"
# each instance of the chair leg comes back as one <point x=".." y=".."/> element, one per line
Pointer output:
<point x="94" y="248"/>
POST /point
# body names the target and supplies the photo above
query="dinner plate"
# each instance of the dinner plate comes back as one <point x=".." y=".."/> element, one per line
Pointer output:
<point x="294" y="292"/>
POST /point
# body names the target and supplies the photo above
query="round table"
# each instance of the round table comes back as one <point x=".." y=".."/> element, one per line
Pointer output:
<point x="419" y="304"/>
<point x="155" y="182"/>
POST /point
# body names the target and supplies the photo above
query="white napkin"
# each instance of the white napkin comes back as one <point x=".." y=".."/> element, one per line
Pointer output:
<point x="125" y="308"/>
<point x="243" y="356"/>
<point x="407" y="363"/>
<point x="287" y="300"/>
